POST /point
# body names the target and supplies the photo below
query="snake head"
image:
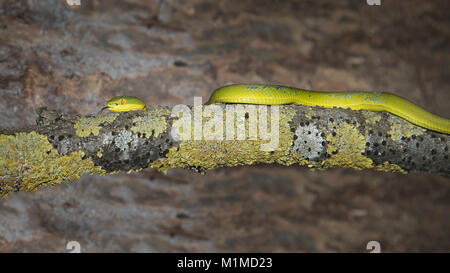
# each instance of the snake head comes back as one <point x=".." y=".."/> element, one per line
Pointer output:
<point x="124" y="103"/>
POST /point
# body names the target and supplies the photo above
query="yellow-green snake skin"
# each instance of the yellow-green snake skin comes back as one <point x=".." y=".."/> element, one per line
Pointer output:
<point x="372" y="101"/>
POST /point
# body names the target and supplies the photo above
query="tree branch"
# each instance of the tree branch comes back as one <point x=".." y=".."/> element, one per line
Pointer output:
<point x="62" y="148"/>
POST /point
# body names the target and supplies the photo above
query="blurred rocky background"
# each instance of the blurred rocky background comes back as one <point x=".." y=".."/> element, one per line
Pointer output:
<point x="74" y="58"/>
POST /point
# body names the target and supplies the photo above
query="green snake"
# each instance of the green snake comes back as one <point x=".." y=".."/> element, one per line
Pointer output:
<point x="372" y="101"/>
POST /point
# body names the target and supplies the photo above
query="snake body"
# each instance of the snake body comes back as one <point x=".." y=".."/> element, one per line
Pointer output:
<point x="372" y="101"/>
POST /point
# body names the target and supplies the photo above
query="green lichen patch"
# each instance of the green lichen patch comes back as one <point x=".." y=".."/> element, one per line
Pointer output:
<point x="153" y="123"/>
<point x="92" y="125"/>
<point x="27" y="162"/>
<point x="100" y="153"/>
<point x="401" y="128"/>
<point x="389" y="167"/>
<point x="346" y="147"/>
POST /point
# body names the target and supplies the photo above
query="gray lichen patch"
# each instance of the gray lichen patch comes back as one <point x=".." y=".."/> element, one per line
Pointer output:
<point x="308" y="141"/>
<point x="126" y="151"/>
<point x="65" y="146"/>
<point x="106" y="138"/>
<point x="123" y="140"/>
